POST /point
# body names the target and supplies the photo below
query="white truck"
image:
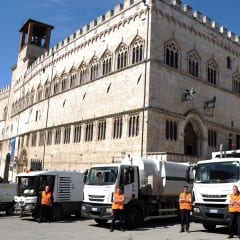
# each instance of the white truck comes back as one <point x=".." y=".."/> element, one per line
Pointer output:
<point x="151" y="189"/>
<point x="213" y="182"/>
<point x="66" y="186"/>
<point x="7" y="193"/>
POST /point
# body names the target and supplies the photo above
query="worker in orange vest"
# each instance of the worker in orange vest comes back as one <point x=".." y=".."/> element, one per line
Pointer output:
<point x="234" y="211"/>
<point x="185" y="206"/>
<point x="46" y="202"/>
<point x="118" y="208"/>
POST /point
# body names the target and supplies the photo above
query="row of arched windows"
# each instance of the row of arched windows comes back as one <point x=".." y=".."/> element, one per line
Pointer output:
<point x="124" y="56"/>
<point x="172" y="59"/>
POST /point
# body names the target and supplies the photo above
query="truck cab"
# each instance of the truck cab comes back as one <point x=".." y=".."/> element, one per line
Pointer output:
<point x="213" y="183"/>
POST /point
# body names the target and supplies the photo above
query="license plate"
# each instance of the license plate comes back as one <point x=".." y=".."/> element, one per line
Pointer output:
<point x="213" y="211"/>
<point x="94" y="209"/>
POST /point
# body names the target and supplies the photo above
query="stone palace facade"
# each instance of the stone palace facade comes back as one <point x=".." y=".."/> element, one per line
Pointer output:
<point x="149" y="78"/>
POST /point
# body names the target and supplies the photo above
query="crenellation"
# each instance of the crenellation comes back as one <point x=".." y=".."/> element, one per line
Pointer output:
<point x="207" y="20"/>
<point x="177" y="3"/>
<point x="187" y="9"/>
<point x="236" y="39"/>
<point x="231" y="35"/>
<point x="92" y="24"/>
<point x="216" y="26"/>
<point x="85" y="28"/>
<point x="118" y="8"/>
<point x="198" y="15"/>
<point x="127" y="3"/>
<point x="100" y="19"/>
<point x="224" y="31"/>
<point x="109" y="14"/>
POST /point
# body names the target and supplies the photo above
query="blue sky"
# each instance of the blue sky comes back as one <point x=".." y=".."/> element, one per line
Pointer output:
<point x="67" y="16"/>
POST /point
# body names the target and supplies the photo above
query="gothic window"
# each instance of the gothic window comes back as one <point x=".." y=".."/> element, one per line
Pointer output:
<point x="94" y="68"/>
<point x="171" y="130"/>
<point x="106" y="63"/>
<point x="39" y="93"/>
<point x="236" y="83"/>
<point x="55" y="85"/>
<point x="82" y="73"/>
<point x="171" y="55"/>
<point x="137" y="50"/>
<point x="58" y="133"/>
<point x="212" y="138"/>
<point x="5" y="113"/>
<point x="49" y="137"/>
<point x="63" y="82"/>
<point x="89" y="132"/>
<point x="32" y="96"/>
<point x="47" y="90"/>
<point x="77" y="133"/>
<point x="122" y="55"/>
<point x="212" y="72"/>
<point x="117" y="128"/>
<point x="73" y="78"/>
<point x="193" y="64"/>
<point x="101" y="130"/>
<point x="67" y="134"/>
<point x="133" y="126"/>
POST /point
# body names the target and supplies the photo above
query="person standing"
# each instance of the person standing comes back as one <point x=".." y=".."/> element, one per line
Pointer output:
<point x="45" y="204"/>
<point x="185" y="206"/>
<point x="117" y="208"/>
<point x="234" y="211"/>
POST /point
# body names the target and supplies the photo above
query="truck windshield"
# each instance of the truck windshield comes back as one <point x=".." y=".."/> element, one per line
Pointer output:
<point x="102" y="176"/>
<point x="27" y="186"/>
<point x="217" y="172"/>
<point x="31" y="186"/>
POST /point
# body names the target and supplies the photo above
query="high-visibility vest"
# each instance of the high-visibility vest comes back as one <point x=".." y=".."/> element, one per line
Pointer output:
<point x="234" y="207"/>
<point x="46" y="198"/>
<point x="118" y="198"/>
<point x="186" y="203"/>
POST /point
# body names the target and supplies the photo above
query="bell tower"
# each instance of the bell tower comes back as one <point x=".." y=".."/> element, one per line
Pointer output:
<point x="34" y="41"/>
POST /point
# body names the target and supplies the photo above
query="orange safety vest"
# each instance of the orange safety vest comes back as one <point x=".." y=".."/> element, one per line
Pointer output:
<point x="186" y="204"/>
<point x="46" y="198"/>
<point x="118" y="198"/>
<point x="234" y="207"/>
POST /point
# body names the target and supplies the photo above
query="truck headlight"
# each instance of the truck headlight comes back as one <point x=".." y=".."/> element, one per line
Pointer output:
<point x="83" y="208"/>
<point x="109" y="210"/>
<point x="196" y="210"/>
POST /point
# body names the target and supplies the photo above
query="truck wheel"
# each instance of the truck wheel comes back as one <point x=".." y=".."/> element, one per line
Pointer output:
<point x="56" y="212"/>
<point x="134" y="218"/>
<point x="209" y="227"/>
<point x="101" y="222"/>
<point x="9" y="211"/>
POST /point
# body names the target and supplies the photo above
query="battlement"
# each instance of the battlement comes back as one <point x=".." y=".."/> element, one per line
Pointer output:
<point x="5" y="89"/>
<point x="177" y="4"/>
<point x="203" y="19"/>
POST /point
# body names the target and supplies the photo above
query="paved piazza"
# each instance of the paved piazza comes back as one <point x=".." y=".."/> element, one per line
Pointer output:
<point x="15" y="228"/>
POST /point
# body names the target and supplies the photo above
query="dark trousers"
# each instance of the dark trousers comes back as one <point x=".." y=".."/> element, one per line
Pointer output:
<point x="234" y="220"/>
<point x="185" y="219"/>
<point x="117" y="214"/>
<point x="44" y="212"/>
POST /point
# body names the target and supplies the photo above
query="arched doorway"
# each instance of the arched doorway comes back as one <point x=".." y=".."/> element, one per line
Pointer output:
<point x="190" y="140"/>
<point x="193" y="137"/>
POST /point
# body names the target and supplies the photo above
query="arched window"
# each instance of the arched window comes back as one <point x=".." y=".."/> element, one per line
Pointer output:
<point x="106" y="62"/>
<point x="73" y="78"/>
<point x="94" y="68"/>
<point x="39" y="92"/>
<point x="193" y="64"/>
<point x="47" y="91"/>
<point x="171" y="55"/>
<point x="82" y="73"/>
<point x="63" y="81"/>
<point x="32" y="96"/>
<point x="137" y="50"/>
<point x="212" y="72"/>
<point x="122" y="55"/>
